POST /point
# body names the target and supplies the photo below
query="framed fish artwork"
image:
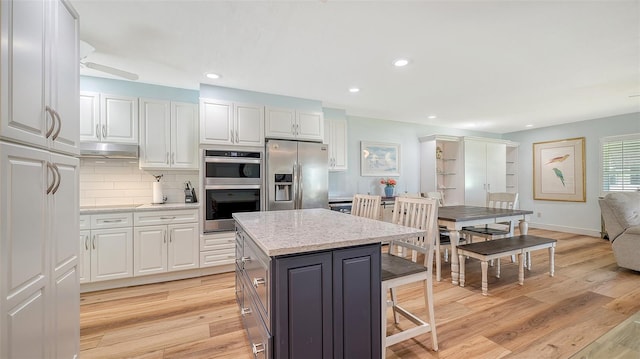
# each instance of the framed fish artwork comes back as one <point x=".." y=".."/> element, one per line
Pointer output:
<point x="559" y="170"/>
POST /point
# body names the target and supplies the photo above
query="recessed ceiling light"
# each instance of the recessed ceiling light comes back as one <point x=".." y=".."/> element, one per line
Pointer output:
<point x="400" y="62"/>
<point x="212" y="76"/>
<point x="431" y="117"/>
<point x="354" y="90"/>
<point x="528" y="126"/>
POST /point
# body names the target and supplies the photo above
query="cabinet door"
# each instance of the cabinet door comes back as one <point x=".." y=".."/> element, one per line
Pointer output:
<point x="150" y="250"/>
<point x="303" y="306"/>
<point x="280" y="123"/>
<point x="337" y="141"/>
<point x="22" y="115"/>
<point x="90" y="127"/>
<point x="111" y="254"/>
<point x="24" y="258"/>
<point x="155" y="133"/>
<point x="119" y="118"/>
<point x="309" y="126"/>
<point x="184" y="246"/>
<point x="496" y="167"/>
<point x="184" y="135"/>
<point x="356" y="302"/>
<point x="475" y="173"/>
<point x="216" y="122"/>
<point x="66" y="315"/>
<point x="64" y="76"/>
<point x="84" y="259"/>
<point x="249" y="125"/>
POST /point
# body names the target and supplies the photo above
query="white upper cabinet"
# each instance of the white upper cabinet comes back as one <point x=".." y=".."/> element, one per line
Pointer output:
<point x="118" y="119"/>
<point x="249" y="124"/>
<point x="184" y="135"/>
<point x="40" y="81"/>
<point x="336" y="138"/>
<point x="296" y="125"/>
<point x="108" y="118"/>
<point x="280" y="123"/>
<point x="168" y="134"/>
<point x="228" y="123"/>
<point x="90" y="127"/>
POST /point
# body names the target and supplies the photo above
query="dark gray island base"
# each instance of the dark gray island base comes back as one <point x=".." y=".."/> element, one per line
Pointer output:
<point x="319" y="295"/>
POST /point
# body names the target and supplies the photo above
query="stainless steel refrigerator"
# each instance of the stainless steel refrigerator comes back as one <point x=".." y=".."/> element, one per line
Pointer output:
<point x="297" y="175"/>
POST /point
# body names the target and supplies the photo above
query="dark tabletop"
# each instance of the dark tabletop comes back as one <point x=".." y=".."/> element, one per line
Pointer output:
<point x="468" y="213"/>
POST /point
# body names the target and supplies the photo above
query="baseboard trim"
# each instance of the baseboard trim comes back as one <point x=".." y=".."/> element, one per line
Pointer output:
<point x="552" y="227"/>
<point x="156" y="278"/>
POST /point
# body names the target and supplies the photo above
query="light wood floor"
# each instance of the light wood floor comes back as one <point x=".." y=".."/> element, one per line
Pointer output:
<point x="546" y="318"/>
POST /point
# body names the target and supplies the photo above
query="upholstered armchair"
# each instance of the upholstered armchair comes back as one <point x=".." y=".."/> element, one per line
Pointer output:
<point x="621" y="214"/>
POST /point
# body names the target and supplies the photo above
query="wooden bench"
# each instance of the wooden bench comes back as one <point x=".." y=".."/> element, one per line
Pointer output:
<point x="497" y="248"/>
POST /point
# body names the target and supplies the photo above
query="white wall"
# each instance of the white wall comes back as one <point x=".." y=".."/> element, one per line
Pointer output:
<point x="345" y="184"/>
<point x="574" y="217"/>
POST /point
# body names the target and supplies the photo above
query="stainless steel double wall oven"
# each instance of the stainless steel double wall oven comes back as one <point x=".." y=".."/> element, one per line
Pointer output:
<point x="232" y="183"/>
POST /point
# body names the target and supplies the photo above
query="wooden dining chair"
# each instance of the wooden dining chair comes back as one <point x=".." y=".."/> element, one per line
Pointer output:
<point x="399" y="269"/>
<point x="444" y="241"/>
<point x="364" y="205"/>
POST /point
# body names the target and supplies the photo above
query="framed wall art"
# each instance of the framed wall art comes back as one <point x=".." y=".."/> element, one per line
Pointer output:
<point x="559" y="170"/>
<point x="379" y="159"/>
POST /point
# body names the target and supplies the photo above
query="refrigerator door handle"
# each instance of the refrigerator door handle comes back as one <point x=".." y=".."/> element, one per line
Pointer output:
<point x="300" y="186"/>
<point x="295" y="185"/>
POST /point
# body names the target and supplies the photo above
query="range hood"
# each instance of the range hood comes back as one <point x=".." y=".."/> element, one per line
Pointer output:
<point x="108" y="150"/>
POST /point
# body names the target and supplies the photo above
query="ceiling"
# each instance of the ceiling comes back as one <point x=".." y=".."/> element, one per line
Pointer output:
<point x="493" y="66"/>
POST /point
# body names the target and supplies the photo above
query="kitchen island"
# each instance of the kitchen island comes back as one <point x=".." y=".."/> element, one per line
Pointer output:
<point x="308" y="282"/>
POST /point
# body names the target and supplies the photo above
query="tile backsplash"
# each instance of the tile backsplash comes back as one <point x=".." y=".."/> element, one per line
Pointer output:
<point x="120" y="181"/>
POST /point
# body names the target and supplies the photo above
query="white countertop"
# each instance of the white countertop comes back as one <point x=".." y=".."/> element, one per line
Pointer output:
<point x="307" y="230"/>
<point x="137" y="207"/>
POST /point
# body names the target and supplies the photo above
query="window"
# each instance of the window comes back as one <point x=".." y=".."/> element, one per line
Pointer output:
<point x="620" y="160"/>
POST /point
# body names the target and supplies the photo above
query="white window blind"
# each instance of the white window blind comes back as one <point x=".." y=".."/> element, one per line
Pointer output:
<point x="620" y="163"/>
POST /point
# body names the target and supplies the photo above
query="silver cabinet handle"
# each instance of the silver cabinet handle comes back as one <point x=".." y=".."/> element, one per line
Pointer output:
<point x="237" y="136"/>
<point x="297" y="129"/>
<point x="245" y="259"/>
<point x="53" y="173"/>
<point x="173" y="157"/>
<point x="164" y="234"/>
<point x="232" y="136"/>
<point x="245" y="311"/>
<point x="293" y="128"/>
<point x="94" y="242"/>
<point x="57" y="116"/>
<point x="257" y="348"/>
<point x="174" y="217"/>
<point x="49" y="110"/>
<point x="104" y="131"/>
<point x="98" y="131"/>
<point x="258" y="281"/>
<point x="111" y="220"/>
<point x="55" y="189"/>
<point x="171" y="236"/>
<point x="86" y="243"/>
<point x="167" y="158"/>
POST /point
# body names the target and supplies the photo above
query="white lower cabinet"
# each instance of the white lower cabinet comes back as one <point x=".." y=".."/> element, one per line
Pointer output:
<point x="170" y="244"/>
<point x="106" y="247"/>
<point x="217" y="249"/>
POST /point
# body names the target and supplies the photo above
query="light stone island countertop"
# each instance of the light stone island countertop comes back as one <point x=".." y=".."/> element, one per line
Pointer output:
<point x="306" y="230"/>
<point x="137" y="207"/>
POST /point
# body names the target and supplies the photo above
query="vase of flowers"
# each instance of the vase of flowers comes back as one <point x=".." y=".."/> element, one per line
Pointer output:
<point x="389" y="186"/>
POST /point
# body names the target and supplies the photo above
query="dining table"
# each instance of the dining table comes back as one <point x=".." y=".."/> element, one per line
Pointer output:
<point x="454" y="218"/>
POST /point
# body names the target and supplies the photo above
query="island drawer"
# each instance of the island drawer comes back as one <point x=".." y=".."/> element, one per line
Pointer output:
<point x="256" y="269"/>
<point x="259" y="337"/>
